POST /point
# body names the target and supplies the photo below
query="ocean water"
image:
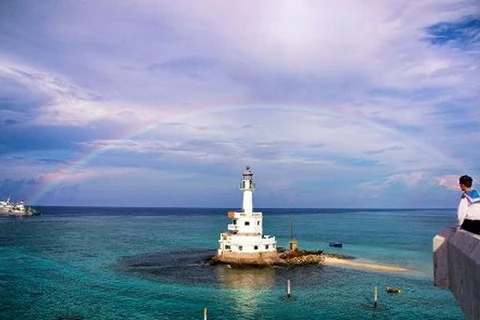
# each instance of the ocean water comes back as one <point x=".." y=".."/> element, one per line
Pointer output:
<point x="146" y="263"/>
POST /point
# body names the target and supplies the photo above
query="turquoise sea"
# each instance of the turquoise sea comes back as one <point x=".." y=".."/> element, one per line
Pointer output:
<point x="146" y="263"/>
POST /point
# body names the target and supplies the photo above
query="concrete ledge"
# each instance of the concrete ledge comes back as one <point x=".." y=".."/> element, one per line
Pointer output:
<point x="456" y="260"/>
<point x="464" y="241"/>
<point x="440" y="258"/>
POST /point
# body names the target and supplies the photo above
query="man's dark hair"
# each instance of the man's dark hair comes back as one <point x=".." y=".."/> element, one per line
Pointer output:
<point x="466" y="181"/>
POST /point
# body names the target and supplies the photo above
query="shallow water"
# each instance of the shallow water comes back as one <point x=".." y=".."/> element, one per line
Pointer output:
<point x="123" y="263"/>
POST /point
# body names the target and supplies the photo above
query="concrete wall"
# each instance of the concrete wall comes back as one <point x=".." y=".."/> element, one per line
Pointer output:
<point x="260" y="259"/>
<point x="456" y="266"/>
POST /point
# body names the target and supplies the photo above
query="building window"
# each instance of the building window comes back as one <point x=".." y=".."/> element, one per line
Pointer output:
<point x="266" y="246"/>
<point x="247" y="223"/>
<point x="227" y="247"/>
<point x="255" y="247"/>
<point x="258" y="223"/>
<point x="234" y="222"/>
<point x="240" y="248"/>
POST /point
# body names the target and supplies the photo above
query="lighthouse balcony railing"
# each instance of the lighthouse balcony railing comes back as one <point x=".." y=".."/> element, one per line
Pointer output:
<point x="241" y="214"/>
<point x="232" y="227"/>
<point x="270" y="239"/>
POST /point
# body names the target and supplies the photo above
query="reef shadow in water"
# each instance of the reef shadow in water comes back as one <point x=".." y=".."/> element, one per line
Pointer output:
<point x="191" y="267"/>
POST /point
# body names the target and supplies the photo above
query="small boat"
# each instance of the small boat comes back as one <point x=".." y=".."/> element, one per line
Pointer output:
<point x="394" y="290"/>
<point x="336" y="244"/>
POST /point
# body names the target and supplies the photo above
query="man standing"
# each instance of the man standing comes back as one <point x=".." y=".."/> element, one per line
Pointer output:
<point x="469" y="206"/>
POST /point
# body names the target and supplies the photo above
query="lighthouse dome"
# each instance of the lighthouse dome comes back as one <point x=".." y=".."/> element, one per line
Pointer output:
<point x="247" y="173"/>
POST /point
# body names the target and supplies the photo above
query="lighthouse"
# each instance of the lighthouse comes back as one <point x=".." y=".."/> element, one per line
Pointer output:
<point x="244" y="242"/>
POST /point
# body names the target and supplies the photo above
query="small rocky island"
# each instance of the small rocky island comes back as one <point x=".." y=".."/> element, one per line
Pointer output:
<point x="244" y="244"/>
<point x="282" y="258"/>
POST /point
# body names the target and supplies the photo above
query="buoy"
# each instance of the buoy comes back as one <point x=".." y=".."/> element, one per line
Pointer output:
<point x="394" y="290"/>
<point x="205" y="314"/>
<point x="375" y="296"/>
<point x="288" y="288"/>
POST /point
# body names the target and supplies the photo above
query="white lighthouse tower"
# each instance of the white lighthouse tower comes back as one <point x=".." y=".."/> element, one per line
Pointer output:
<point x="244" y="243"/>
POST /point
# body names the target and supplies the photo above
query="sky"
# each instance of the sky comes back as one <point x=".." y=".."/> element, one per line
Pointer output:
<point x="334" y="104"/>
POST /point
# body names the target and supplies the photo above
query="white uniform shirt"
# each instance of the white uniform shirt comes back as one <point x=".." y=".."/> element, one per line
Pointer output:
<point x="468" y="208"/>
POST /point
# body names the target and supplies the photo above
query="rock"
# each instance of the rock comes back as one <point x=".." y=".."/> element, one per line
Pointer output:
<point x="284" y="257"/>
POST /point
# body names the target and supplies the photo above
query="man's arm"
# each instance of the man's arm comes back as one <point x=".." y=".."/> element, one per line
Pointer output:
<point x="462" y="210"/>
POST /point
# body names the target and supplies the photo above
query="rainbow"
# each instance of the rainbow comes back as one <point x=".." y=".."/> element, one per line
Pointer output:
<point x="54" y="180"/>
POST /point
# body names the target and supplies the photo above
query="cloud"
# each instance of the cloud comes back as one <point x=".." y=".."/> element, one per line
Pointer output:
<point x="55" y="101"/>
<point x="17" y="189"/>
<point x="409" y="179"/>
<point x="449" y="182"/>
<point x="374" y="95"/>
<point x="61" y="103"/>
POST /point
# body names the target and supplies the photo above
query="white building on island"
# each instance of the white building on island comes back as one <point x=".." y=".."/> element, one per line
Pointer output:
<point x="244" y="243"/>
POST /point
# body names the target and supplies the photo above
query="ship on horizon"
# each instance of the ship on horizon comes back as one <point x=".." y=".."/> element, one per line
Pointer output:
<point x="19" y="208"/>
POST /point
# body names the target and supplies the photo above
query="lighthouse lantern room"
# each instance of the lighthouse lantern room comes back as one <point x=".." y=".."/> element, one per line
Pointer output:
<point x="244" y="240"/>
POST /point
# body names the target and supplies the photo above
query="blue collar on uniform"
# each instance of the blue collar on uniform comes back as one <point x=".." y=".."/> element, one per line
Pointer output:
<point x="473" y="196"/>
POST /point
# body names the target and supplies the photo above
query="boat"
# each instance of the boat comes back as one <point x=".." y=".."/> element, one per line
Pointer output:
<point x="19" y="208"/>
<point x="394" y="290"/>
<point x="336" y="244"/>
